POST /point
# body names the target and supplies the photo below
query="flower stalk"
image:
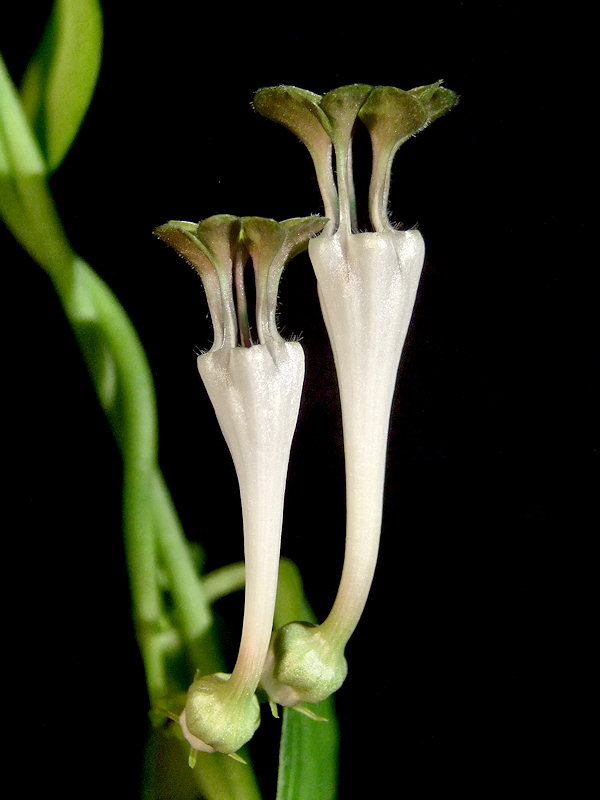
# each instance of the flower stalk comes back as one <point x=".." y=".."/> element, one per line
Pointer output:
<point x="254" y="380"/>
<point x="367" y="284"/>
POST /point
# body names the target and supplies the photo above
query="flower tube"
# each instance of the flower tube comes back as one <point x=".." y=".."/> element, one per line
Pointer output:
<point x="367" y="284"/>
<point x="254" y="380"/>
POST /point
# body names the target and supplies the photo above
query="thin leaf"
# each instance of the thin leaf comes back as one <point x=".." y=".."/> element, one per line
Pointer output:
<point x="308" y="755"/>
<point x="308" y="751"/>
<point x="61" y="77"/>
<point x="26" y="204"/>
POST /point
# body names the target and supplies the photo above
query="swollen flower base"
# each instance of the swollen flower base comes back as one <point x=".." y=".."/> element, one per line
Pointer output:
<point x="302" y="665"/>
<point x="224" y="717"/>
<point x="254" y="380"/>
<point x="367" y="284"/>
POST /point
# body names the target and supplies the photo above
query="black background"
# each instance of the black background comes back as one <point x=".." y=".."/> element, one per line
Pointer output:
<point x="473" y="668"/>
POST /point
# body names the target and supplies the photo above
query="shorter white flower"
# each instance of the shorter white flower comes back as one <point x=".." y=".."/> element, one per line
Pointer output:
<point x="254" y="380"/>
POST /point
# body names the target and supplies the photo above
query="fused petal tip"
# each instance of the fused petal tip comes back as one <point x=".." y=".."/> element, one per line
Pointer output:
<point x="219" y="248"/>
<point x="325" y="123"/>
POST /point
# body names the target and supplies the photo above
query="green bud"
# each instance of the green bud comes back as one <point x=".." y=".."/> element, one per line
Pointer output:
<point x="217" y="720"/>
<point x="302" y="665"/>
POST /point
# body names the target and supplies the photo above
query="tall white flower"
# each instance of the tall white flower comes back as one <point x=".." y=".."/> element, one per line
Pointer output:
<point x="367" y="284"/>
<point x="254" y="380"/>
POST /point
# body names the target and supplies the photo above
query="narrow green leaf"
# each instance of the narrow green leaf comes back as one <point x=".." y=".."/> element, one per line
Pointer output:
<point x="308" y="752"/>
<point x="61" y="77"/>
<point x="26" y="204"/>
<point x="215" y="776"/>
<point x="308" y="755"/>
<point x="291" y="604"/>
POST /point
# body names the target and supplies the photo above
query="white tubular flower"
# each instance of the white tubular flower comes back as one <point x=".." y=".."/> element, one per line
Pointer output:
<point x="367" y="284"/>
<point x="254" y="380"/>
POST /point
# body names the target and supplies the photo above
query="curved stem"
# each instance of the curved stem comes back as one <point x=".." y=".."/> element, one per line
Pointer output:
<point x="97" y="317"/>
<point x="224" y="580"/>
<point x="104" y="331"/>
<point x="191" y="599"/>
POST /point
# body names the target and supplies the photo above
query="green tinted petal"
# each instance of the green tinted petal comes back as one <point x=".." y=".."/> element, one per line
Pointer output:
<point x="299" y="231"/>
<point x="391" y="116"/>
<point x="297" y="109"/>
<point x="263" y="239"/>
<point x="436" y="99"/>
<point x="300" y="112"/>
<point x="425" y="93"/>
<point x="181" y="236"/>
<point x="271" y="245"/>
<point x="213" y="262"/>
<point x="262" y="236"/>
<point x="220" y="236"/>
<point x="219" y="248"/>
<point x="341" y="107"/>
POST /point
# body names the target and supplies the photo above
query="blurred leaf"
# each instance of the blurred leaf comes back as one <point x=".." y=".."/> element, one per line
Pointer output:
<point x="60" y="79"/>
<point x="291" y="604"/>
<point x="26" y="204"/>
<point x="308" y="755"/>
<point x="224" y="580"/>
<point x="308" y="752"/>
<point x="215" y="776"/>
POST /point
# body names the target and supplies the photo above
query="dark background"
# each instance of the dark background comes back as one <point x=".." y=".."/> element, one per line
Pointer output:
<point x="473" y="668"/>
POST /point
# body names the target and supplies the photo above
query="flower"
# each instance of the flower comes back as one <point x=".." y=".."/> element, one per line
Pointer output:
<point x="367" y="284"/>
<point x="254" y="380"/>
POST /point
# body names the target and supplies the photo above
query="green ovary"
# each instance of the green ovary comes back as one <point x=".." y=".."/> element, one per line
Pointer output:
<point x="215" y="718"/>
<point x="302" y="666"/>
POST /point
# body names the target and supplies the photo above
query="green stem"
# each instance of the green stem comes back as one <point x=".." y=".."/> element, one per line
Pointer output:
<point x="225" y="580"/>
<point x="191" y="599"/>
<point x="104" y="332"/>
<point x="152" y="530"/>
